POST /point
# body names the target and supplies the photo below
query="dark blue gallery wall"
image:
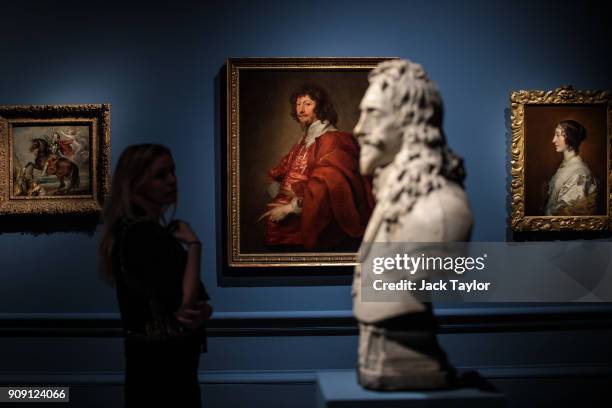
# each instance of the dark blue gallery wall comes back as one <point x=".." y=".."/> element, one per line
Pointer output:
<point x="158" y="67"/>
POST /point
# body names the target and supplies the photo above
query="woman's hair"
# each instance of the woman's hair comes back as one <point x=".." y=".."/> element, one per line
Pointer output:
<point x="130" y="173"/>
<point x="573" y="132"/>
<point x="325" y="108"/>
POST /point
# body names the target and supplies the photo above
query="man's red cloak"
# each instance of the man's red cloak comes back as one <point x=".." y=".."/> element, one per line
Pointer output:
<point x="336" y="201"/>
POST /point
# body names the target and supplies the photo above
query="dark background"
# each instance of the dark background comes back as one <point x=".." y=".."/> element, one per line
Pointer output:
<point x="542" y="161"/>
<point x="159" y="65"/>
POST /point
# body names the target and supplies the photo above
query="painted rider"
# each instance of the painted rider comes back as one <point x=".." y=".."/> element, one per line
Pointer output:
<point x="59" y="148"/>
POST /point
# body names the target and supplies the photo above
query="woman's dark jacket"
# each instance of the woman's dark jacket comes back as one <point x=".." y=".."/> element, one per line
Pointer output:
<point x="149" y="264"/>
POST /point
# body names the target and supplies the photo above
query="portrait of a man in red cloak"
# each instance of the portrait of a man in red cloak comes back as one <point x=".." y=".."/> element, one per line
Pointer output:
<point x="319" y="199"/>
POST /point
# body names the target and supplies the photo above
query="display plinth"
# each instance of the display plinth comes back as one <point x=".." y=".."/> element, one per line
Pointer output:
<point x="339" y="389"/>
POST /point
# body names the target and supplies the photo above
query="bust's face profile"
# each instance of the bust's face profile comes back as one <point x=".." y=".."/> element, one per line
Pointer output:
<point x="377" y="132"/>
<point x="559" y="140"/>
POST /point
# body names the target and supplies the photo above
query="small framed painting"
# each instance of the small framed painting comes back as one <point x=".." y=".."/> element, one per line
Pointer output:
<point x="54" y="159"/>
<point x="560" y="160"/>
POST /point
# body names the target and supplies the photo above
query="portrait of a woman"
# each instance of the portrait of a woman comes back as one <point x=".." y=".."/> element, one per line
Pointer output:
<point x="573" y="189"/>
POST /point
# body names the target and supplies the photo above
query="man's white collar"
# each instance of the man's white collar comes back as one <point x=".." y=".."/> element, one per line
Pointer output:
<point x="317" y="129"/>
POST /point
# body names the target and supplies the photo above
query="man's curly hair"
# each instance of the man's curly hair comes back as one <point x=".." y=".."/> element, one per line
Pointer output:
<point x="325" y="108"/>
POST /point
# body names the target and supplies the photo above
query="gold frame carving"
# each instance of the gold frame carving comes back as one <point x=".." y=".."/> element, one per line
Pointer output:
<point x="565" y="95"/>
<point x="236" y="257"/>
<point x="97" y="116"/>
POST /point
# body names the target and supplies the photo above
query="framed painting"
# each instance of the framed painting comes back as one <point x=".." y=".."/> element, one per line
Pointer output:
<point x="54" y="159"/>
<point x="560" y="160"/>
<point x="294" y="193"/>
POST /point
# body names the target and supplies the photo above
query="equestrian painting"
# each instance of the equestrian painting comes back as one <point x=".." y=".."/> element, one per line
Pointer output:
<point x="51" y="161"/>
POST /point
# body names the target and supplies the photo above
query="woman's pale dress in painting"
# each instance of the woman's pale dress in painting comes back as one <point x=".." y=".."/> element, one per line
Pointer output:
<point x="573" y="189"/>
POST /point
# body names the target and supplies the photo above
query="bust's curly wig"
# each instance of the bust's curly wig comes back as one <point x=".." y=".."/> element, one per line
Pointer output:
<point x="425" y="162"/>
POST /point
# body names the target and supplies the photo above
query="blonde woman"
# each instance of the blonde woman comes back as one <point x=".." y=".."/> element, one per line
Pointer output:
<point x="154" y="267"/>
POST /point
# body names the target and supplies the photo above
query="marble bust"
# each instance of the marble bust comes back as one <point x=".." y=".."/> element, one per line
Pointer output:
<point x="418" y="186"/>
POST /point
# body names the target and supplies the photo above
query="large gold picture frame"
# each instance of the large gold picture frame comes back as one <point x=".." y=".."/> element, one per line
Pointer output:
<point x="260" y="131"/>
<point x="54" y="159"/>
<point x="535" y="159"/>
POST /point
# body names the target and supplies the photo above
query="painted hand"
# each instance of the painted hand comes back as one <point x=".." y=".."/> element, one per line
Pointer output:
<point x="278" y="212"/>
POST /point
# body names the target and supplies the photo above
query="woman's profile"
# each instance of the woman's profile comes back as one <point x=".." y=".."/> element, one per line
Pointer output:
<point x="154" y="267"/>
<point x="572" y="190"/>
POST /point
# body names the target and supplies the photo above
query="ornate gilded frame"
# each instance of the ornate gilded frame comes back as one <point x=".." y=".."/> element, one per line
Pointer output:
<point x="568" y="96"/>
<point x="97" y="117"/>
<point x="236" y="256"/>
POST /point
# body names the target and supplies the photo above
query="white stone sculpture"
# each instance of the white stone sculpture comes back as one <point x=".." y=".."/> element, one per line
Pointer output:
<point x="418" y="185"/>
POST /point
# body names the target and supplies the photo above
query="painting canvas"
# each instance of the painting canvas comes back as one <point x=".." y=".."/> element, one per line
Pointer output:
<point x="51" y="160"/>
<point x="561" y="162"/>
<point x="267" y="136"/>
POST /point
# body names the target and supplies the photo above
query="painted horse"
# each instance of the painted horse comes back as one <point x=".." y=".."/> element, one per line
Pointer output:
<point x="53" y="164"/>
